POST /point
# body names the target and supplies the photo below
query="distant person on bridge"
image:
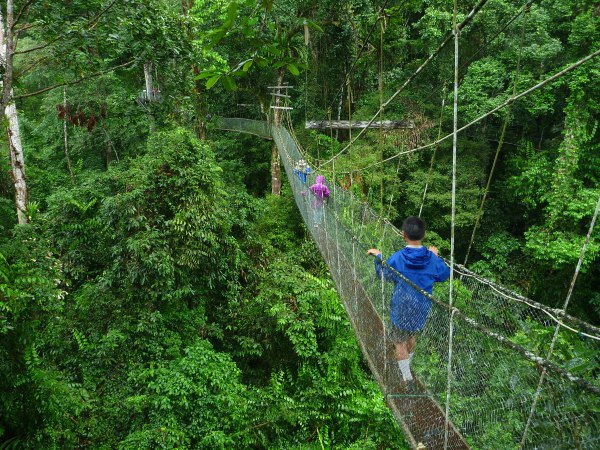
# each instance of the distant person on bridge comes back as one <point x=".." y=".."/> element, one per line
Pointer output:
<point x="321" y="192"/>
<point x="302" y="170"/>
<point x="409" y="308"/>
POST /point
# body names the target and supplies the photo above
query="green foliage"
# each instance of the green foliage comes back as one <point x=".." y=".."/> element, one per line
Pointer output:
<point x="194" y="401"/>
<point x="163" y="299"/>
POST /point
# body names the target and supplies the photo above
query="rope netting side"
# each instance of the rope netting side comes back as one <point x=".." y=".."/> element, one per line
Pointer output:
<point x="501" y="339"/>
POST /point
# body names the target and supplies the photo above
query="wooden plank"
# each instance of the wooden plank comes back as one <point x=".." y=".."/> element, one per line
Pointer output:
<point x="346" y="125"/>
<point x="281" y="107"/>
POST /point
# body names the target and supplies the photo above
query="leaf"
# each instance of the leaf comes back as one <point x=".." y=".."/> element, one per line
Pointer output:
<point x="313" y="25"/>
<point x="203" y="75"/>
<point x="293" y="69"/>
<point x="262" y="62"/>
<point x="267" y="4"/>
<point x="216" y="37"/>
<point x="228" y="83"/>
<point x="247" y="65"/>
<point x="232" y="12"/>
<point x="211" y="82"/>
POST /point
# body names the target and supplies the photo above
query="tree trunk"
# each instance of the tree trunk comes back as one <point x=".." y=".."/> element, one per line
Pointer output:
<point x="17" y="160"/>
<point x="200" y="106"/>
<point x="149" y="92"/>
<point x="275" y="161"/>
<point x="186" y="6"/>
<point x="66" y="136"/>
<point x="148" y="78"/>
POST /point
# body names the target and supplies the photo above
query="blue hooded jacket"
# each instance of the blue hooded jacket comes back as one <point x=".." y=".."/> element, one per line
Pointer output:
<point x="409" y="308"/>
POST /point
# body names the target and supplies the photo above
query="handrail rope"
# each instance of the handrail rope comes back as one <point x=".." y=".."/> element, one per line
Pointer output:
<point x="452" y="223"/>
<point x="463" y="271"/>
<point x="380" y="216"/>
<point x="387" y="222"/>
<point x="479" y="214"/>
<point x="412" y="77"/>
<point x="382" y="29"/>
<point x="557" y="329"/>
<point x="524" y="8"/>
<point x="532" y="304"/>
<point x="542" y="362"/>
<point x="537" y="86"/>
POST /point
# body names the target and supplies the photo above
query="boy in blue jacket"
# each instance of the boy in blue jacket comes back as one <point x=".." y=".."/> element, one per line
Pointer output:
<point x="409" y="308"/>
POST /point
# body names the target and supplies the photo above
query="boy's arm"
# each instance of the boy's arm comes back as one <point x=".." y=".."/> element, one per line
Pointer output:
<point x="388" y="274"/>
<point x="442" y="271"/>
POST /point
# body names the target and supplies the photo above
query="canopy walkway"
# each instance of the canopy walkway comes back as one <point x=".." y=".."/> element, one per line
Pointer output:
<point x="505" y="388"/>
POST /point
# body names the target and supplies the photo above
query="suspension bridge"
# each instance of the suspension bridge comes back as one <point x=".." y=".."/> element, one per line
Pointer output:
<point x="500" y="338"/>
<point x="488" y="373"/>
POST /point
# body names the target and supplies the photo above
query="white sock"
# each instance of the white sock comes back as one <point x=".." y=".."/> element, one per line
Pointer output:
<point x="404" y="365"/>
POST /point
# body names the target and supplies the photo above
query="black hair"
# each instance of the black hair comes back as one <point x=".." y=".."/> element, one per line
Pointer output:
<point x="414" y="228"/>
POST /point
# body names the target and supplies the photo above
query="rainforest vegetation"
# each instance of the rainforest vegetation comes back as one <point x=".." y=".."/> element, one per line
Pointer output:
<point x="158" y="287"/>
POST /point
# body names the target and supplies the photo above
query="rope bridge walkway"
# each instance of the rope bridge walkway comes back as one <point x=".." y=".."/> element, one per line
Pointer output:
<point x="513" y="381"/>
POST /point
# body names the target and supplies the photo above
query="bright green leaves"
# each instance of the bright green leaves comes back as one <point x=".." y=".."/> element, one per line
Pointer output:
<point x="173" y="221"/>
<point x="228" y="83"/>
<point x="530" y="175"/>
<point x="212" y="81"/>
<point x="231" y="16"/>
<point x="480" y="87"/>
<point x="195" y="401"/>
<point x="293" y="69"/>
<point x="559" y="248"/>
<point x="268" y="43"/>
<point x="247" y="65"/>
<point x="7" y="294"/>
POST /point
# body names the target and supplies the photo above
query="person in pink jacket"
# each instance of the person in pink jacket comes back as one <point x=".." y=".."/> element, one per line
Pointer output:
<point x="321" y="192"/>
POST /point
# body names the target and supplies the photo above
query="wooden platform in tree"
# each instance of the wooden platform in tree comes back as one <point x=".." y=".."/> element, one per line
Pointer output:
<point x="346" y="124"/>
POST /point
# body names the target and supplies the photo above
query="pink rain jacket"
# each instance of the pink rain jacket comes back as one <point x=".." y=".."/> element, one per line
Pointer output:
<point x="321" y="192"/>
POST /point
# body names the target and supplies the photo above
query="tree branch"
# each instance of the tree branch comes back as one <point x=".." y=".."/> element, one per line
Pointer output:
<point x="89" y="24"/>
<point x="25" y="27"/>
<point x="78" y="80"/>
<point x="94" y="20"/>
<point x="22" y="10"/>
<point x="30" y="67"/>
<point x="39" y="47"/>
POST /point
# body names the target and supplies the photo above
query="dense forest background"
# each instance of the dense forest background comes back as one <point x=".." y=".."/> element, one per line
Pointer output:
<point x="158" y="294"/>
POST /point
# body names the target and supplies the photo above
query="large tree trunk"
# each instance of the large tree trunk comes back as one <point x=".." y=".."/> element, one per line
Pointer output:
<point x="17" y="161"/>
<point x="275" y="162"/>
<point x="148" y="78"/>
